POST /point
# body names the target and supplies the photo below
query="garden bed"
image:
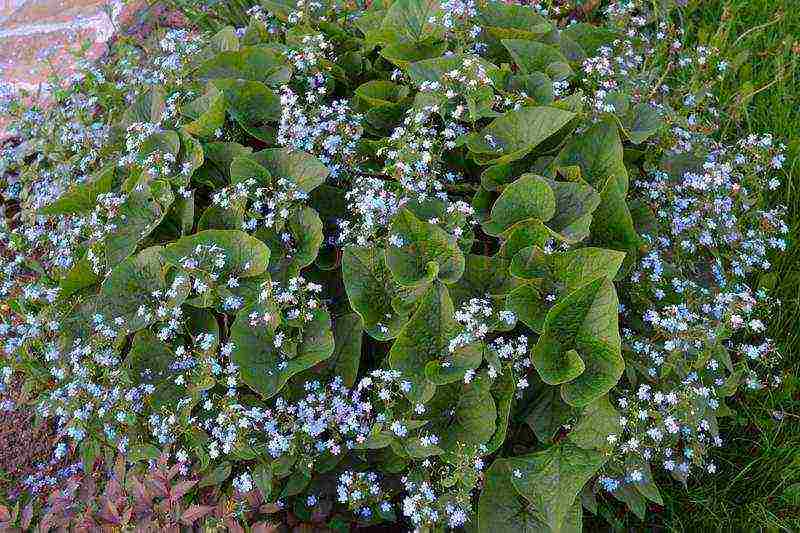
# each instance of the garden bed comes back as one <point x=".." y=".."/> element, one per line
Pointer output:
<point x="408" y="265"/>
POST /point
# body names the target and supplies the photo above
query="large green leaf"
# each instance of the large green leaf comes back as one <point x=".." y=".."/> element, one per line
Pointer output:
<point x="266" y="368"/>
<point x="427" y="252"/>
<point x="150" y="362"/>
<point x="528" y="305"/>
<point x="463" y="413"/>
<point x="305" y="170"/>
<point x="501" y="21"/>
<point x="531" y="263"/>
<point x="555" y="364"/>
<point x="533" y="56"/>
<point x="425" y="339"/>
<point x="141" y="212"/>
<point x="132" y="284"/>
<point x="295" y="246"/>
<point x="347" y="333"/>
<point x="596" y="422"/>
<point x="245" y="256"/>
<point x="410" y="19"/>
<point x="370" y="289"/>
<point x="502" y="509"/>
<point x="549" y="414"/>
<point x="225" y="40"/>
<point x="578" y="267"/>
<point x="190" y="158"/>
<point x="529" y="232"/>
<point x="551" y="479"/>
<point x="641" y="122"/>
<point x="243" y="168"/>
<point x="503" y="390"/>
<point x="251" y="103"/>
<point x="598" y="153"/>
<point x="80" y="275"/>
<point x="254" y="63"/>
<point x="516" y="133"/>
<point x="612" y="225"/>
<point x="589" y="36"/>
<point x="380" y="92"/>
<point x="537" y="86"/>
<point x="161" y="142"/>
<point x="434" y="68"/>
<point x="149" y="106"/>
<point x="207" y="113"/>
<point x="218" y="157"/>
<point x="483" y="275"/>
<point x="82" y="197"/>
<point x="217" y="217"/>
<point x="528" y="197"/>
<point x="575" y="203"/>
<point x="582" y="330"/>
<point x="405" y="53"/>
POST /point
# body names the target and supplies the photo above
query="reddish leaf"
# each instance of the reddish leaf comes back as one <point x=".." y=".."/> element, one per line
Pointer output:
<point x="174" y="471"/>
<point x="233" y="526"/>
<point x="195" y="512"/>
<point x="162" y="461"/>
<point x="126" y="516"/>
<point x="263" y="527"/>
<point x="119" y="468"/>
<point x="269" y="508"/>
<point x="108" y="511"/>
<point x="87" y="490"/>
<point x="114" y="490"/>
<point x="27" y="516"/>
<point x="157" y="487"/>
<point x="5" y="514"/>
<point x="177" y="492"/>
<point x="138" y="490"/>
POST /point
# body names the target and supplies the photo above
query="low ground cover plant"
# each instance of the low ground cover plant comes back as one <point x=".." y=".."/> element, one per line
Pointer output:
<point x="436" y="265"/>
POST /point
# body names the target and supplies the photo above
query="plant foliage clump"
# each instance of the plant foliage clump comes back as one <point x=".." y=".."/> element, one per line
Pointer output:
<point x="448" y="264"/>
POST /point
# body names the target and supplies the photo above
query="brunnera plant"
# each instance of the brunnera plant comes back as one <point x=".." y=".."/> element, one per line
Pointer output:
<point x="379" y="262"/>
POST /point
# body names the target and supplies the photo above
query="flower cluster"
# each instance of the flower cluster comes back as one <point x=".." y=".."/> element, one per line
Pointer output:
<point x="362" y="493"/>
<point x="414" y="153"/>
<point x="331" y="132"/>
<point x="372" y="203"/>
<point x="264" y="205"/>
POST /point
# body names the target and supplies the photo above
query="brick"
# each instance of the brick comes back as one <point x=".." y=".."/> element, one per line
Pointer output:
<point x="48" y="12"/>
<point x="27" y="60"/>
<point x="7" y="7"/>
<point x="39" y="37"/>
<point x="40" y="29"/>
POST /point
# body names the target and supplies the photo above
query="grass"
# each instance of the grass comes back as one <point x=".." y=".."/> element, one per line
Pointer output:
<point x="758" y="485"/>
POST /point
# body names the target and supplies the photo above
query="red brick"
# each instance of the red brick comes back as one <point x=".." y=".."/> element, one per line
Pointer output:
<point x="46" y="12"/>
<point x="37" y="37"/>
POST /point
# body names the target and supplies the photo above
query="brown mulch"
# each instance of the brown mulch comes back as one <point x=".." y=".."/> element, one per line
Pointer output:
<point x="26" y="448"/>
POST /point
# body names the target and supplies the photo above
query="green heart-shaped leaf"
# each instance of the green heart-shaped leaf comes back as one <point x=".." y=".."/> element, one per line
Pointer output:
<point x="305" y="170"/>
<point x="463" y="413"/>
<point x="370" y="289"/>
<point x="551" y="479"/>
<point x="426" y="338"/>
<point x="584" y="321"/>
<point x="528" y="197"/>
<point x="533" y="56"/>
<point x="516" y="133"/>
<point x="426" y="252"/>
<point x="263" y="366"/>
<point x="245" y="256"/>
